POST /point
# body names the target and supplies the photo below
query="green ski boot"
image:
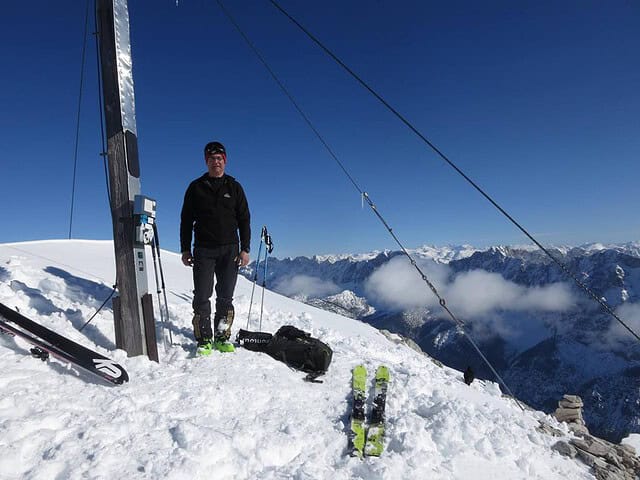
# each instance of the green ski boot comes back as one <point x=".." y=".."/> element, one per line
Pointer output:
<point x="223" y="332"/>
<point x="224" y="346"/>
<point x="205" y="347"/>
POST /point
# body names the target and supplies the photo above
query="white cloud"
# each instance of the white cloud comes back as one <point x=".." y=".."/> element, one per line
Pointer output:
<point x="305" y="285"/>
<point x="477" y="293"/>
<point x="617" y="336"/>
<point x="398" y="284"/>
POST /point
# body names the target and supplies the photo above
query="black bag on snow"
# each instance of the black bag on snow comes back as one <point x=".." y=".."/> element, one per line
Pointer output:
<point x="254" y="341"/>
<point x="290" y="345"/>
<point x="300" y="350"/>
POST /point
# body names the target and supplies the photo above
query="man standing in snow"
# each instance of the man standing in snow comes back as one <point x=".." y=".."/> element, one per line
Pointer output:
<point x="216" y="208"/>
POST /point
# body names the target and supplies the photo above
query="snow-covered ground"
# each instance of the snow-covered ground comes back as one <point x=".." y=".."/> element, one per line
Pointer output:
<point x="241" y="415"/>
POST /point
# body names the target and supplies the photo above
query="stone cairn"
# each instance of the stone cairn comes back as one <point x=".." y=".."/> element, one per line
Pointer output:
<point x="570" y="411"/>
<point x="608" y="461"/>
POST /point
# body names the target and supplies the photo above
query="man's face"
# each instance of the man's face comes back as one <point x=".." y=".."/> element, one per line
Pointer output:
<point x="215" y="164"/>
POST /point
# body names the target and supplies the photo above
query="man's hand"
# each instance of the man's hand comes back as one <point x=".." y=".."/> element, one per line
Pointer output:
<point x="187" y="259"/>
<point x="243" y="259"/>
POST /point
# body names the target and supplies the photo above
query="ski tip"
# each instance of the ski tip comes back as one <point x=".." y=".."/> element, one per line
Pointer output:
<point x="357" y="454"/>
<point x="123" y="379"/>
<point x="118" y="376"/>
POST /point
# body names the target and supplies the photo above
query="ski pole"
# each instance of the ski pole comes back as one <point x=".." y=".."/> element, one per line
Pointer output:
<point x="155" y="271"/>
<point x="255" y="273"/>
<point x="268" y="249"/>
<point x="156" y="240"/>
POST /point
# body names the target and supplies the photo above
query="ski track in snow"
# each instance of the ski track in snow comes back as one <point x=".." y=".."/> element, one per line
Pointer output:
<point x="241" y="415"/>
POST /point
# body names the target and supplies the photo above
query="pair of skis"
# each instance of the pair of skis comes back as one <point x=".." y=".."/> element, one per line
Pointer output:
<point x="47" y="342"/>
<point x="368" y="439"/>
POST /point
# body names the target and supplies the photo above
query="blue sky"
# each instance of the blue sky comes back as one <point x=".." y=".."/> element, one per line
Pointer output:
<point x="536" y="101"/>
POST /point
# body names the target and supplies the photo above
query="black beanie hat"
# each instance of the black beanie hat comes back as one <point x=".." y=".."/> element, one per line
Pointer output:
<point x="214" y="147"/>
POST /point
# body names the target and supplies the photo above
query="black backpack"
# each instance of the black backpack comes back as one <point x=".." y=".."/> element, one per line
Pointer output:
<point x="295" y="347"/>
<point x="254" y="341"/>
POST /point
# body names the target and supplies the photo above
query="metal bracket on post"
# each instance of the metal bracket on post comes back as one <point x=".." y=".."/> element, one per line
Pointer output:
<point x="144" y="216"/>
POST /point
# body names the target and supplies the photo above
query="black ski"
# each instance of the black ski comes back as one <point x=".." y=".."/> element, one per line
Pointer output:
<point x="48" y="341"/>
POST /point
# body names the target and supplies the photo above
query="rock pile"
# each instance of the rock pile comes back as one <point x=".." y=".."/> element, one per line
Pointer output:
<point x="609" y="461"/>
<point x="570" y="411"/>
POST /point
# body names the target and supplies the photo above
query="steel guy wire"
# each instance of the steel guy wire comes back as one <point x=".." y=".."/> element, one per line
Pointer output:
<point x="363" y="194"/>
<point x="558" y="262"/>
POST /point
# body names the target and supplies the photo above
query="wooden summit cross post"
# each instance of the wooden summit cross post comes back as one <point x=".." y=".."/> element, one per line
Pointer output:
<point x="133" y="307"/>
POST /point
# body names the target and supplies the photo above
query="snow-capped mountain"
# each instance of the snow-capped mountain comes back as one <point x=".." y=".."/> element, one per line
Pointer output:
<point x="442" y="254"/>
<point x="542" y="333"/>
<point x="345" y="303"/>
<point x="236" y="415"/>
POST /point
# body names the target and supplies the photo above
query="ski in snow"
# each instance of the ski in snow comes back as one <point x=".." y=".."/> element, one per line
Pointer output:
<point x="375" y="433"/>
<point x="358" y="387"/>
<point x="47" y="341"/>
<point x="367" y="438"/>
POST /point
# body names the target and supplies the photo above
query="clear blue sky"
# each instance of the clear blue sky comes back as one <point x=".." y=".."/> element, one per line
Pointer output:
<point x="539" y="102"/>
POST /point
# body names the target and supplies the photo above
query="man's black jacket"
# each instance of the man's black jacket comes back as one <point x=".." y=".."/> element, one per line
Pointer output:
<point x="215" y="208"/>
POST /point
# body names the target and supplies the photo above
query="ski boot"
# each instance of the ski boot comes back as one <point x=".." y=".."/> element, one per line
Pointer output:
<point x="223" y="344"/>
<point x="223" y="332"/>
<point x="205" y="347"/>
<point x="202" y="333"/>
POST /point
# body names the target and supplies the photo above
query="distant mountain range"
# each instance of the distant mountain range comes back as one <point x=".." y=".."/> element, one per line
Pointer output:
<point x="543" y="334"/>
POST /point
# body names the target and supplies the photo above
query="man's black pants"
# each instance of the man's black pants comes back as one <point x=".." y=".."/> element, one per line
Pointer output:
<point x="223" y="262"/>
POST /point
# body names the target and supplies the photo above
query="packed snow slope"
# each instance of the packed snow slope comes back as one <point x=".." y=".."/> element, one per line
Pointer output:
<point x="234" y="415"/>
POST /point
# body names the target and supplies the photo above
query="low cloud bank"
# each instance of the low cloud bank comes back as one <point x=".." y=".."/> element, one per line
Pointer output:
<point x="472" y="294"/>
<point x="617" y="336"/>
<point x="306" y="286"/>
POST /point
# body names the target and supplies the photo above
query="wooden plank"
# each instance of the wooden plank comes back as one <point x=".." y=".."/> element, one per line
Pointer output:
<point x="150" y="327"/>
